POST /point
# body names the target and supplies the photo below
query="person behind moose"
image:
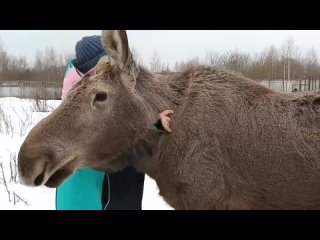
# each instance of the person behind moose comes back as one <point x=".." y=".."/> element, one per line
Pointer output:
<point x="88" y="189"/>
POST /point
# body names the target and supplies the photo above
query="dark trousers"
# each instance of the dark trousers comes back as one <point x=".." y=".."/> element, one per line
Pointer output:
<point x="123" y="190"/>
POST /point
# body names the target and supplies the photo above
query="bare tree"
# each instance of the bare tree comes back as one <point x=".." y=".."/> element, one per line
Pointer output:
<point x="289" y="51"/>
<point x="155" y="63"/>
<point x="38" y="66"/>
<point x="24" y="122"/>
<point x="213" y="58"/>
<point x="137" y="58"/>
<point x="272" y="58"/>
<point x="311" y="63"/>
<point x="236" y="60"/>
<point x="272" y="63"/>
<point x="22" y="64"/>
<point x="167" y="68"/>
<point x="50" y="66"/>
<point x="3" y="58"/>
<point x="6" y="125"/>
<point x="13" y="167"/>
<point x="3" y="178"/>
<point x="1" y="54"/>
<point x="1" y="43"/>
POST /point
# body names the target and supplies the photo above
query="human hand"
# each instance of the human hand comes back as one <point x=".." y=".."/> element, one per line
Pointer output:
<point x="165" y="119"/>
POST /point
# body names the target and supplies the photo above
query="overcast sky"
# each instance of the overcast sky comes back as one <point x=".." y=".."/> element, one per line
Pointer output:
<point x="171" y="45"/>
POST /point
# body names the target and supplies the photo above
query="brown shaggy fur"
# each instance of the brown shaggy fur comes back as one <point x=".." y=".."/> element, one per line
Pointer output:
<point x="235" y="144"/>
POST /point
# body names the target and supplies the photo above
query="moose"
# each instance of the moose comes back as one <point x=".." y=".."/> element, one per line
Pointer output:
<point x="234" y="143"/>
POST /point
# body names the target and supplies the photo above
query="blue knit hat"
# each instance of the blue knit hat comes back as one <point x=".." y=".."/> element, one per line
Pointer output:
<point x="88" y="52"/>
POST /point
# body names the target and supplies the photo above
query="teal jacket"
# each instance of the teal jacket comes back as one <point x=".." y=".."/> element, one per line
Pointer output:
<point x="81" y="191"/>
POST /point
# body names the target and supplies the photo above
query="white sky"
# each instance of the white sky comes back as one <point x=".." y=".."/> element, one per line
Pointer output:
<point x="171" y="45"/>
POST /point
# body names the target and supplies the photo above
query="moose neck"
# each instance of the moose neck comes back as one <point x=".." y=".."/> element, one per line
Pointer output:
<point x="156" y="91"/>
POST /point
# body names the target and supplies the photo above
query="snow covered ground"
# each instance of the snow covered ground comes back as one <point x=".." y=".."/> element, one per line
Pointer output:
<point x="17" y="117"/>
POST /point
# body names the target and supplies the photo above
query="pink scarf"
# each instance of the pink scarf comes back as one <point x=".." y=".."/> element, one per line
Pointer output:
<point x="72" y="77"/>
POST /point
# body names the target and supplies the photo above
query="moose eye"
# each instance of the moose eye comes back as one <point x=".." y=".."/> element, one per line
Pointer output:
<point x="100" y="97"/>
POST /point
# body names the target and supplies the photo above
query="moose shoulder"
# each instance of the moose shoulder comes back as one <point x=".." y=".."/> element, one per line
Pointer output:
<point x="235" y="144"/>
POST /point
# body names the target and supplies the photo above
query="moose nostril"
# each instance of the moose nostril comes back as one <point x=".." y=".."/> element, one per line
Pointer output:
<point x="38" y="181"/>
<point x="100" y="97"/>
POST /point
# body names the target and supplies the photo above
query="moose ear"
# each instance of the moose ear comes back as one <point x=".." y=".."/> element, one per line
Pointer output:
<point x="115" y="43"/>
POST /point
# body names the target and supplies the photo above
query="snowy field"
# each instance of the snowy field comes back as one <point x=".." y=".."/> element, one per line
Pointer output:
<point x="17" y="117"/>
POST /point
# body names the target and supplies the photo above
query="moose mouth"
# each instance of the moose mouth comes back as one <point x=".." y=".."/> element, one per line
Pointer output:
<point x="58" y="177"/>
<point x="60" y="174"/>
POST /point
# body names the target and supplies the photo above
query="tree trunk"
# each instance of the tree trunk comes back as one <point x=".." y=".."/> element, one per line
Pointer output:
<point x="289" y="70"/>
<point x="284" y="75"/>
